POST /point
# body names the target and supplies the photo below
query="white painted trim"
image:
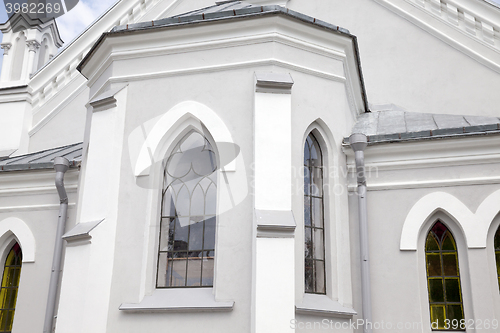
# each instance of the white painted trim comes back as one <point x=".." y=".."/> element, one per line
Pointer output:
<point x="161" y="131"/>
<point x="475" y="226"/>
<point x="35" y="190"/>
<point x="428" y="183"/>
<point x="17" y="227"/>
<point x="226" y="67"/>
<point x="32" y="208"/>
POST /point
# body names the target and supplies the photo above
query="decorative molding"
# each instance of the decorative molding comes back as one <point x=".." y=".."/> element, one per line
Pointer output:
<point x="276" y="83"/>
<point x="33" y="45"/>
<point x="179" y="300"/>
<point x="150" y="146"/>
<point x="32" y="208"/>
<point x="225" y="67"/>
<point x="475" y="226"/>
<point x="6" y="47"/>
<point x="106" y="100"/>
<point x="322" y="305"/>
<point x="275" y="224"/>
<point x="55" y="111"/>
<point x="81" y="232"/>
<point x="39" y="190"/>
<point x="463" y="25"/>
<point x="23" y="234"/>
<point x="427" y="184"/>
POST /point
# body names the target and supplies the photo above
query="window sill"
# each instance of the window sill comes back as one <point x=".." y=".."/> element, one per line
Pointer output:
<point x="324" y="306"/>
<point x="179" y="300"/>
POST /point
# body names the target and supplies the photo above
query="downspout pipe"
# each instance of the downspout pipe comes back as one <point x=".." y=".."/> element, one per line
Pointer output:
<point x="61" y="165"/>
<point x="358" y="144"/>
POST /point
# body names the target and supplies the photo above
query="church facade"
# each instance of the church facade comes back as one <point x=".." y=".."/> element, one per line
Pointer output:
<point x="253" y="166"/>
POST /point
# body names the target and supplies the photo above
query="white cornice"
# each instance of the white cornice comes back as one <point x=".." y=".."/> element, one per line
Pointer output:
<point x="430" y="153"/>
<point x="280" y="30"/>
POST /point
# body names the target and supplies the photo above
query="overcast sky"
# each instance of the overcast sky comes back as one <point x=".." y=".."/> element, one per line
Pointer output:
<point x="86" y="11"/>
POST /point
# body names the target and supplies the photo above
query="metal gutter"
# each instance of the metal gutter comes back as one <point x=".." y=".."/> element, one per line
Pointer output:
<point x="223" y="16"/>
<point x="61" y="165"/>
<point x="358" y="143"/>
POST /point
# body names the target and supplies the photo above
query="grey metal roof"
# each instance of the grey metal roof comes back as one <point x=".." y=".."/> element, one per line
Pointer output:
<point x="220" y="6"/>
<point x="43" y="159"/>
<point x="398" y="125"/>
<point x="225" y="10"/>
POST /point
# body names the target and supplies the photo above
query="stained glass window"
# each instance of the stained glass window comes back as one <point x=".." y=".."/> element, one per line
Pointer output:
<point x="443" y="278"/>
<point x="497" y="253"/>
<point x="313" y="218"/>
<point x="10" y="284"/>
<point x="188" y="215"/>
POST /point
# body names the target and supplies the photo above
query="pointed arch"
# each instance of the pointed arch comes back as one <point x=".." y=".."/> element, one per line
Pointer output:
<point x="475" y="226"/>
<point x="165" y="129"/>
<point x="13" y="226"/>
<point x="188" y="214"/>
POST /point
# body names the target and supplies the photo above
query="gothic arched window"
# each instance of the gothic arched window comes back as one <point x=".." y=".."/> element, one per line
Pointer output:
<point x="497" y="253"/>
<point x="314" y="227"/>
<point x="10" y="285"/>
<point x="188" y="215"/>
<point x="443" y="278"/>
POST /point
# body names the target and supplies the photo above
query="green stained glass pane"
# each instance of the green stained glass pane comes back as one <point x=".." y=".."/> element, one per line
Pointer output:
<point x="450" y="266"/>
<point x="448" y="242"/>
<point x="437" y="316"/>
<point x="436" y="293"/>
<point x="454" y="311"/>
<point x="433" y="264"/>
<point x="431" y="243"/>
<point x="452" y="289"/>
<point x="497" y="255"/>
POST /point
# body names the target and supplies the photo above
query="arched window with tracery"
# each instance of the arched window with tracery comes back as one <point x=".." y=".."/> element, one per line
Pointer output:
<point x="10" y="285"/>
<point x="443" y="278"/>
<point x="188" y="215"/>
<point x="314" y="226"/>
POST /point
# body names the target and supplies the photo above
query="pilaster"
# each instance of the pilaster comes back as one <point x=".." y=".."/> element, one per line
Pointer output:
<point x="273" y="257"/>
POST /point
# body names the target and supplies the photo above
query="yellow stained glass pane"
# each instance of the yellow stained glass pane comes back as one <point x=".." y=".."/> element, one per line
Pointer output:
<point x="10" y="284"/>
<point x="437" y="316"/>
<point x="431" y="243"/>
<point x="433" y="264"/>
<point x="448" y="242"/>
<point x="497" y="255"/>
<point x="450" y="264"/>
<point x="436" y="292"/>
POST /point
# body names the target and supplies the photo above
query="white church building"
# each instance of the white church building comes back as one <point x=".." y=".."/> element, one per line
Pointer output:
<point x="259" y="166"/>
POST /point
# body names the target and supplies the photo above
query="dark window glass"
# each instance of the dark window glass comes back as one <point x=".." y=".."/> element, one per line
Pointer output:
<point x="187" y="229"/>
<point x="10" y="285"/>
<point x="497" y="253"/>
<point x="443" y="279"/>
<point x="313" y="218"/>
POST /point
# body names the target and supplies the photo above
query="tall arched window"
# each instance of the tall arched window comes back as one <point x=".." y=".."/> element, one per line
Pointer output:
<point x="10" y="284"/>
<point x="497" y="253"/>
<point x="313" y="218"/>
<point x="443" y="278"/>
<point x="188" y="218"/>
